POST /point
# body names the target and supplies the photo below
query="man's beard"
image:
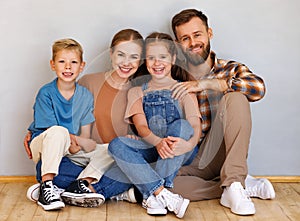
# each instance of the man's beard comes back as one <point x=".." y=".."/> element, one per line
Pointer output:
<point x="195" y="58"/>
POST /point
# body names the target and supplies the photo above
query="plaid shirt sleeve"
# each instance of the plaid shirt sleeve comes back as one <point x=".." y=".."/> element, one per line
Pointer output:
<point x="240" y="78"/>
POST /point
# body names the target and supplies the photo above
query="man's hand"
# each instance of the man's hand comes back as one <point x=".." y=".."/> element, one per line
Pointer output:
<point x="26" y="145"/>
<point x="182" y="88"/>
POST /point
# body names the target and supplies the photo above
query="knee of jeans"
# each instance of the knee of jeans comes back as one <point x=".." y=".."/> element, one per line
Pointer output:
<point x="115" y="146"/>
<point x="58" y="131"/>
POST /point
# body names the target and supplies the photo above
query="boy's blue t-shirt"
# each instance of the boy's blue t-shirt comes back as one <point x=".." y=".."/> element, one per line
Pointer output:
<point x="51" y="109"/>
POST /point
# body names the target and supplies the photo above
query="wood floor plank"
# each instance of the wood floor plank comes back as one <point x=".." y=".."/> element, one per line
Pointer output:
<point x="289" y="201"/>
<point x="14" y="206"/>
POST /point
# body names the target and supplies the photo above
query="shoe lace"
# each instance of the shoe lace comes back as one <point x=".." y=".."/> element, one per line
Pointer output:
<point x="49" y="193"/>
<point x="84" y="187"/>
<point x="120" y="197"/>
<point x="252" y="191"/>
<point x="171" y="200"/>
<point x="245" y="194"/>
<point x="57" y="190"/>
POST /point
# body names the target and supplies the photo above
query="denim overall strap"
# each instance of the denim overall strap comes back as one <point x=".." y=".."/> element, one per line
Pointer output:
<point x="160" y="110"/>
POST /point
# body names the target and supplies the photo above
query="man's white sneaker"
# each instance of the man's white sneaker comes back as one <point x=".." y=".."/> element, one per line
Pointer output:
<point x="261" y="188"/>
<point x="34" y="191"/>
<point x="153" y="206"/>
<point x="236" y="198"/>
<point x="127" y="196"/>
<point x="174" y="202"/>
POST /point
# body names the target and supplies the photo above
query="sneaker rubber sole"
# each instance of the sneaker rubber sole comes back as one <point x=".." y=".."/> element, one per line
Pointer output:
<point x="33" y="192"/>
<point x="53" y="206"/>
<point x="183" y="208"/>
<point x="157" y="212"/>
<point x="83" y="200"/>
<point x="245" y="212"/>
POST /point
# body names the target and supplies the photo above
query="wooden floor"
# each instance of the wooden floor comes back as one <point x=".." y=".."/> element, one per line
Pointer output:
<point x="15" y="206"/>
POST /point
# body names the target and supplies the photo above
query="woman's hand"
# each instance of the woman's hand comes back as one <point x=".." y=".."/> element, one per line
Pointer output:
<point x="132" y="136"/>
<point x="182" y="88"/>
<point x="164" y="150"/>
<point x="26" y="144"/>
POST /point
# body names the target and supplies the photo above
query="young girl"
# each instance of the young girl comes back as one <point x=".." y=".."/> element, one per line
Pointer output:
<point x="169" y="128"/>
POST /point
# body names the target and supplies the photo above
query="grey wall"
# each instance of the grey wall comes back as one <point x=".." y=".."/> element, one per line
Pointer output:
<point x="262" y="34"/>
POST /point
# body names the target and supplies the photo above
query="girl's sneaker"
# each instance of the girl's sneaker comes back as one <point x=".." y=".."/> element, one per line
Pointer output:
<point x="153" y="206"/>
<point x="173" y="202"/>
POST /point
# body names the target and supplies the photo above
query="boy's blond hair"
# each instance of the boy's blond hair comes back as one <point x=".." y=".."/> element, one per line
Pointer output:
<point x="68" y="44"/>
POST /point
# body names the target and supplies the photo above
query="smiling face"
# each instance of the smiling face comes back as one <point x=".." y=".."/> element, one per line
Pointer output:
<point x="67" y="64"/>
<point x="159" y="60"/>
<point x="194" y="38"/>
<point x="125" y="57"/>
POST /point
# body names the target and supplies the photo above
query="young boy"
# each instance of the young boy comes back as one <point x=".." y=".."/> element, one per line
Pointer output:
<point x="63" y="114"/>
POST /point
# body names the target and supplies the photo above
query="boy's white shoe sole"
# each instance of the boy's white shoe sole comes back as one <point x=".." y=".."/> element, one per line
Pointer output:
<point x="33" y="192"/>
<point x="53" y="206"/>
<point x="83" y="200"/>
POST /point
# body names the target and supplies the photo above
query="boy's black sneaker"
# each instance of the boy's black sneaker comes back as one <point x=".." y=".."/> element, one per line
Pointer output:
<point x="78" y="194"/>
<point x="48" y="198"/>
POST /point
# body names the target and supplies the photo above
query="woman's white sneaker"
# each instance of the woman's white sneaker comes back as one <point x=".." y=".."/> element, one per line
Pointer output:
<point x="125" y="196"/>
<point x="236" y="198"/>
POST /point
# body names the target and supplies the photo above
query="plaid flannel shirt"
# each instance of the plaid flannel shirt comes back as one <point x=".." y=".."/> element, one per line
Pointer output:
<point x="238" y="77"/>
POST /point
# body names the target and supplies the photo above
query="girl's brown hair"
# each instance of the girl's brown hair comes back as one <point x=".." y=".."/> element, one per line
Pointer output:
<point x="127" y="35"/>
<point x="177" y="72"/>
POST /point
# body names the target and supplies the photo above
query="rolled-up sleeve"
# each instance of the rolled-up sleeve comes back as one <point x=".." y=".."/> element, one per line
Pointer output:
<point x="241" y="79"/>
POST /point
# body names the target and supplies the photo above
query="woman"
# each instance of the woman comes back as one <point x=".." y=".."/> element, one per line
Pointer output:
<point x="110" y="92"/>
<point x="169" y="131"/>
